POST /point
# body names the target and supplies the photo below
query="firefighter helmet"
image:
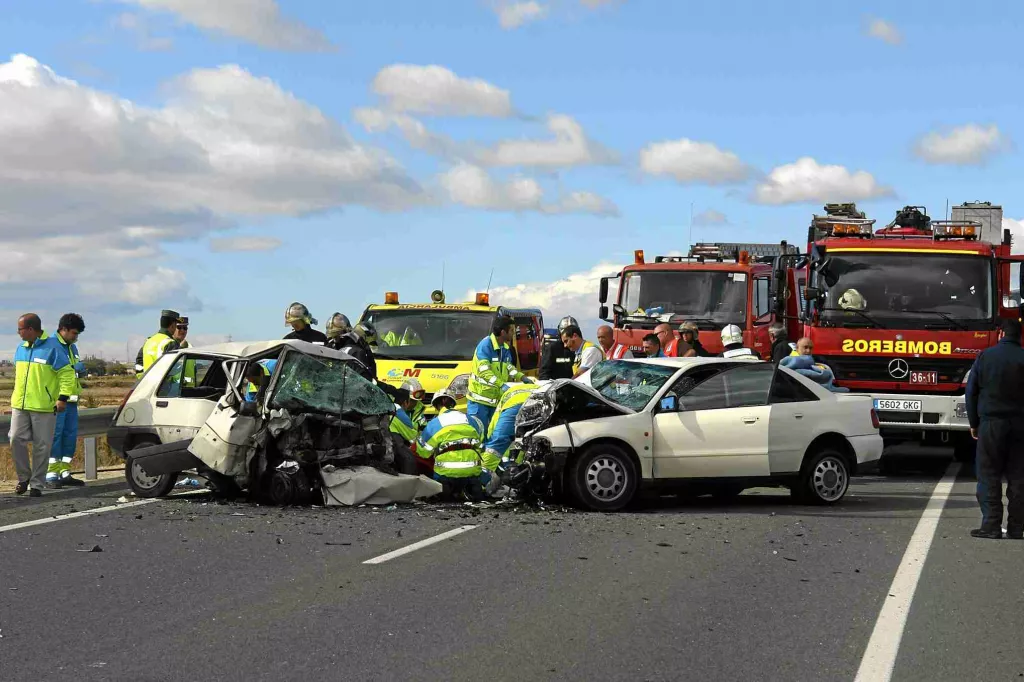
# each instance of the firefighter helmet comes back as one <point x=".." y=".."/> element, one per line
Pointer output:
<point x="731" y="334"/>
<point x="852" y="300"/>
<point x="567" y="321"/>
<point x="338" y="325"/>
<point x="297" y="312"/>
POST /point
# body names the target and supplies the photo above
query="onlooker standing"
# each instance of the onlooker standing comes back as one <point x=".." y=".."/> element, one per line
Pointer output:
<point x="781" y="347"/>
<point x="652" y="346"/>
<point x="689" y="334"/>
<point x="996" y="414"/>
<point x="40" y="369"/>
<point x="65" y="435"/>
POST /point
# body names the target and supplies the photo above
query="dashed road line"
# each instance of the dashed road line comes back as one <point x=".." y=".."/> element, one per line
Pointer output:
<point x="419" y="545"/>
<point x="880" y="656"/>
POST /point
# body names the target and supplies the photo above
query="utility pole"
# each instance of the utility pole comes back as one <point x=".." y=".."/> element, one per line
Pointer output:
<point x="691" y="225"/>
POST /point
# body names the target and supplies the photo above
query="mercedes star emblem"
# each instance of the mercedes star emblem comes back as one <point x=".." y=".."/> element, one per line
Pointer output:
<point x="899" y="369"/>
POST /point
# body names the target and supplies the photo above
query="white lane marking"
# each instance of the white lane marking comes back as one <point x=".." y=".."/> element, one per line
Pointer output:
<point x="98" y="510"/>
<point x="880" y="656"/>
<point x="418" y="545"/>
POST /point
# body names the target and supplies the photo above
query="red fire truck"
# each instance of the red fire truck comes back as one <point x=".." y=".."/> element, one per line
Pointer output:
<point x="901" y="312"/>
<point x="715" y="285"/>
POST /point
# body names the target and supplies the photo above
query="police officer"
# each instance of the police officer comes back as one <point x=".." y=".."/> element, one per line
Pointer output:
<point x="996" y="415"/>
<point x="159" y="343"/>
<point x="493" y="368"/>
<point x="556" y="359"/>
<point x="297" y="317"/>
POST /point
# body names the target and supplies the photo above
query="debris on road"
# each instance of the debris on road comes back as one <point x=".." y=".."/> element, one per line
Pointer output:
<point x="95" y="548"/>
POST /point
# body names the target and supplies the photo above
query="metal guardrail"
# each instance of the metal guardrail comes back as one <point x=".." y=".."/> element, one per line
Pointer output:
<point x="91" y="423"/>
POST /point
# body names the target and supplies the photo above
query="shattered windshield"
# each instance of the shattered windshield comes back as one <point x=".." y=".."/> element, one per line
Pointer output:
<point x="718" y="297"/>
<point x="917" y="288"/>
<point x="308" y="383"/>
<point x="428" y="333"/>
<point x="630" y="384"/>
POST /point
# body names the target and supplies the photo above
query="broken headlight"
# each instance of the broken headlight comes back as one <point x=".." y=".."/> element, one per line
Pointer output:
<point x="534" y="412"/>
<point x="458" y="387"/>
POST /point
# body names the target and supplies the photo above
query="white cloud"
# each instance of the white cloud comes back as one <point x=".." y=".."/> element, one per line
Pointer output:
<point x="375" y="120"/>
<point x="439" y="91"/>
<point x="884" y="31"/>
<point x="710" y="217"/>
<point x="145" y="41"/>
<point x="256" y="21"/>
<point x="114" y="180"/>
<point x="966" y="145"/>
<point x="243" y="244"/>
<point x="805" y="180"/>
<point x="472" y="186"/>
<point x="689" y="161"/>
<point x="515" y="14"/>
<point x="574" y="295"/>
<point x="570" y="147"/>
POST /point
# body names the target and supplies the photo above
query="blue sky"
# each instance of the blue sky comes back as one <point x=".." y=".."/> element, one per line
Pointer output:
<point x="925" y="104"/>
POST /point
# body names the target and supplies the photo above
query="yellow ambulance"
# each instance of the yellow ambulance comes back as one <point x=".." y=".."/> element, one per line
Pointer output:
<point x="434" y="342"/>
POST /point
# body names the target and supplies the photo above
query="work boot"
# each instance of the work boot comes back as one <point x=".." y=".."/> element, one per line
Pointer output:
<point x="21" y="488"/>
<point x="72" y="481"/>
<point x="1015" y="533"/>
<point x="35" y="492"/>
<point x="54" y="485"/>
<point x="987" y="534"/>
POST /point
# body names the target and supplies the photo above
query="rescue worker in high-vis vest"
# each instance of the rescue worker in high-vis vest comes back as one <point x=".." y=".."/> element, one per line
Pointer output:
<point x="159" y="343"/>
<point x="587" y="353"/>
<point x="418" y="410"/>
<point x="65" y="434"/>
<point x="502" y="429"/>
<point x="493" y="367"/>
<point x="256" y="375"/>
<point x="43" y="382"/>
<point x="612" y="350"/>
<point x="402" y="423"/>
<point x="409" y="337"/>
<point x="455" y="441"/>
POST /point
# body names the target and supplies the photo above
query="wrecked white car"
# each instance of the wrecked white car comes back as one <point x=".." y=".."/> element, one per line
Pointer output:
<point x="314" y="431"/>
<point x="702" y="425"/>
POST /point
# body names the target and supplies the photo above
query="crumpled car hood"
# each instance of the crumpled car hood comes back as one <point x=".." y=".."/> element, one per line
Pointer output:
<point x="564" y="401"/>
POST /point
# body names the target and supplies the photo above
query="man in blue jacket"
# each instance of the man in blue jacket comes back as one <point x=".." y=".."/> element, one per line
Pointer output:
<point x="996" y="414"/>
<point x="65" y="435"/>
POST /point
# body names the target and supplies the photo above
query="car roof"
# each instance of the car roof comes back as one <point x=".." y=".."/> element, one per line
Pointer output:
<point x="240" y="349"/>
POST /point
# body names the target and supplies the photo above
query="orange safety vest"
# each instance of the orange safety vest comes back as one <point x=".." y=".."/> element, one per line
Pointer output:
<point x="618" y="351"/>
<point x="672" y="348"/>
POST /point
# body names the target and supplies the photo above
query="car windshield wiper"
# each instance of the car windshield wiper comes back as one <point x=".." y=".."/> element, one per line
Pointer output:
<point x="856" y="312"/>
<point x="956" y="324"/>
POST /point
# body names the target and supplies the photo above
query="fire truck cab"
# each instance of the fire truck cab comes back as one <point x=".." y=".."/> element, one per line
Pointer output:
<point x="901" y="312"/>
<point x="715" y="285"/>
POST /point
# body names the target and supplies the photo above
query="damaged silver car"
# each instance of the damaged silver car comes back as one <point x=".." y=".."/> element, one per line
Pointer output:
<point x="312" y="431"/>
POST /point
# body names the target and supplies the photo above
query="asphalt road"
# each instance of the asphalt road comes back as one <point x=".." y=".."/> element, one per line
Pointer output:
<point x="757" y="589"/>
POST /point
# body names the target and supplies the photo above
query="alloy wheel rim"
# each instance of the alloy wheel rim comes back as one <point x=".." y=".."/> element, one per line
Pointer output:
<point x="830" y="479"/>
<point x="606" y="478"/>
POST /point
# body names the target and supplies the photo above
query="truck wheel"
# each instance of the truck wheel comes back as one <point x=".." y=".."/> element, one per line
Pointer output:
<point x="141" y="483"/>
<point x="824" y="478"/>
<point x="603" y="478"/>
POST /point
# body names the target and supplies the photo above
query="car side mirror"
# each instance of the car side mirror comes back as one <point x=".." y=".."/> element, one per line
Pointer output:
<point x="618" y="309"/>
<point x="669" y="404"/>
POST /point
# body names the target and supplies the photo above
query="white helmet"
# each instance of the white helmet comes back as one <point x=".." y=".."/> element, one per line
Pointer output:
<point x="731" y="334"/>
<point x="852" y="300"/>
<point x="414" y="386"/>
<point x="443" y="393"/>
<point x="567" y="321"/>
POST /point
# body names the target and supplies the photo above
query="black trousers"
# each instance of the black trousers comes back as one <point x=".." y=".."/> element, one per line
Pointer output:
<point x="1001" y="457"/>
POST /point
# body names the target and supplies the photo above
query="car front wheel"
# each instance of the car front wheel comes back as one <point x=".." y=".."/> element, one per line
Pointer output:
<point x="144" y="485"/>
<point x="603" y="478"/>
<point x="824" y="479"/>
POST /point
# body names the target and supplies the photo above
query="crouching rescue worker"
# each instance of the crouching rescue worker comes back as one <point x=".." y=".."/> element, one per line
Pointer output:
<point x="417" y="411"/>
<point x="502" y="429"/>
<point x="455" y="441"/>
<point x="493" y="368"/>
<point x="65" y="436"/>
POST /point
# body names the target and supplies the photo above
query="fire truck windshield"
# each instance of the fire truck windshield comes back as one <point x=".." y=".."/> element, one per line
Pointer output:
<point x="907" y="290"/>
<point x="434" y="334"/>
<point x="717" y="298"/>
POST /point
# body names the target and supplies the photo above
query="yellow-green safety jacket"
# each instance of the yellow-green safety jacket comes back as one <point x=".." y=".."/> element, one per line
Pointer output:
<point x="42" y="375"/>
<point x="403" y="425"/>
<point x="155" y="346"/>
<point x="577" y="363"/>
<point x="454" y="440"/>
<point x="493" y="367"/>
<point x="75" y="360"/>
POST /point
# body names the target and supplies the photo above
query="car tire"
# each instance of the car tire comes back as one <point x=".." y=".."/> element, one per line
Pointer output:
<point x="824" y="478"/>
<point x="141" y="483"/>
<point x="603" y="478"/>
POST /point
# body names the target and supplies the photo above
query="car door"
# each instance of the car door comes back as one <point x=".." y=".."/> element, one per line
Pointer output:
<point x="186" y="396"/>
<point x="718" y="428"/>
<point x="793" y="413"/>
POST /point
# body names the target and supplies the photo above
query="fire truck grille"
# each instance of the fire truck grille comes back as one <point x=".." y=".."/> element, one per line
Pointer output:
<point x="949" y="371"/>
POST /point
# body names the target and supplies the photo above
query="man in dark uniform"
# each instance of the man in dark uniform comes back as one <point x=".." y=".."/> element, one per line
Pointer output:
<point x="996" y="414"/>
<point x="555" y="359"/>
<point x="298" y="318"/>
